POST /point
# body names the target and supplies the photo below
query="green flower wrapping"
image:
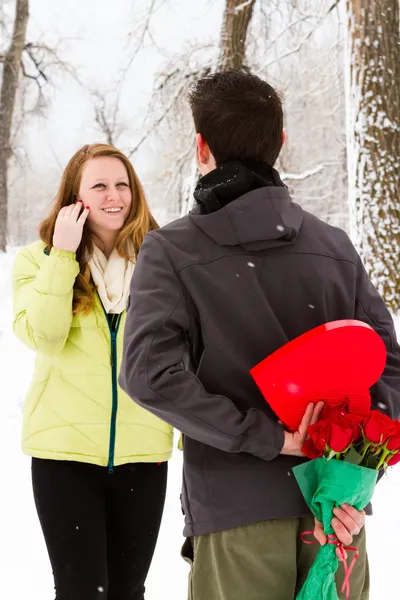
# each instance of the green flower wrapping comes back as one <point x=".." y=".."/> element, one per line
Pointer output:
<point x="324" y="485"/>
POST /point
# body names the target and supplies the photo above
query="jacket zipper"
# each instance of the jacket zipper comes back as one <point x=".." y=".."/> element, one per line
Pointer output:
<point x="114" y="381"/>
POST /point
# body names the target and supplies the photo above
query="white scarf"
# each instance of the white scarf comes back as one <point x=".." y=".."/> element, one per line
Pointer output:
<point x="112" y="278"/>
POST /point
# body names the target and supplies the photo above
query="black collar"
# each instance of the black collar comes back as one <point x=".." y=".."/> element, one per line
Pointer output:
<point x="231" y="180"/>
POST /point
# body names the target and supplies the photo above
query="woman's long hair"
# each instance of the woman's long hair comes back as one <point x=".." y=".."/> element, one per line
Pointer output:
<point x="139" y="221"/>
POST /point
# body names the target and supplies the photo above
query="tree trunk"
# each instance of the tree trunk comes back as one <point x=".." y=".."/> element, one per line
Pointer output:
<point x="237" y="16"/>
<point x="373" y="103"/>
<point x="9" y="86"/>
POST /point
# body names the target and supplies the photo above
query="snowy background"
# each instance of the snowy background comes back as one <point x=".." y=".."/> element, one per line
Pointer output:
<point x="298" y="46"/>
<point x="121" y="52"/>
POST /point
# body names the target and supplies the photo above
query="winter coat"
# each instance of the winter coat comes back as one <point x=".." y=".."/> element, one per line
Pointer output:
<point x="216" y="292"/>
<point x="75" y="409"/>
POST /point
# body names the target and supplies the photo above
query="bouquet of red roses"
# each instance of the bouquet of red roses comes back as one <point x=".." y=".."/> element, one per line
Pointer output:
<point x="347" y="452"/>
<point x="372" y="441"/>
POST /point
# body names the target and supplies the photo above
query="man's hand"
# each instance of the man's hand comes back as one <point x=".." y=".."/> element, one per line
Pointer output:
<point x="294" y="441"/>
<point x="348" y="521"/>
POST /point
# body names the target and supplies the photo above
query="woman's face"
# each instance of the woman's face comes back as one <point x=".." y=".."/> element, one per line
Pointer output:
<point x="106" y="191"/>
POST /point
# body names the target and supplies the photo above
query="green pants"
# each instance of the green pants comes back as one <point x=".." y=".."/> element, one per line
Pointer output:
<point x="262" y="561"/>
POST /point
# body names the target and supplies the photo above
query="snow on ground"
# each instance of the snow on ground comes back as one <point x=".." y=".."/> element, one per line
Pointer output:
<point x="24" y="567"/>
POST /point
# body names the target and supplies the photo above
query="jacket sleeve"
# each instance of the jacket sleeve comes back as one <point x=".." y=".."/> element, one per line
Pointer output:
<point x="153" y="371"/>
<point x="371" y="309"/>
<point x="42" y="297"/>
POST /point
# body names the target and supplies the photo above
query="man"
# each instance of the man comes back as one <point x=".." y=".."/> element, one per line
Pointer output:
<point x="215" y="293"/>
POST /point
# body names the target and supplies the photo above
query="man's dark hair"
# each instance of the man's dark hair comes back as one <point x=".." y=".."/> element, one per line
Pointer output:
<point x="239" y="115"/>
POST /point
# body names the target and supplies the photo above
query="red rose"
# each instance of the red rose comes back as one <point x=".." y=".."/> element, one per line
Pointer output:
<point x="378" y="427"/>
<point x="338" y="413"/>
<point x="342" y="434"/>
<point x="320" y="434"/>
<point x="356" y="422"/>
<point x="394" y="440"/>
<point x="345" y="428"/>
<point x="394" y="460"/>
<point x="330" y="411"/>
<point x="311" y="451"/>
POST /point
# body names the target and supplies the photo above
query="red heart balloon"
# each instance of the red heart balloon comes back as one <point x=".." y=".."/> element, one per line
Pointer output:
<point x="333" y="362"/>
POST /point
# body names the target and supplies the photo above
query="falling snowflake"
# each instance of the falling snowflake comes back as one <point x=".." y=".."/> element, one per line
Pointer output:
<point x="280" y="228"/>
<point x="100" y="589"/>
<point x="311" y="306"/>
<point x="250" y="264"/>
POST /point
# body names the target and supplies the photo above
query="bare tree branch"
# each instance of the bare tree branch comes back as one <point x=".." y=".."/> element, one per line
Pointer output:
<point x="334" y="5"/>
<point x="178" y="172"/>
<point x="106" y="117"/>
<point x="107" y="105"/>
<point x="35" y="78"/>
<point x="29" y="48"/>
<point x="306" y="38"/>
<point x="291" y="25"/>
<point x="41" y="54"/>
<point x="159" y="120"/>
<point x="139" y="45"/>
<point x="306" y="174"/>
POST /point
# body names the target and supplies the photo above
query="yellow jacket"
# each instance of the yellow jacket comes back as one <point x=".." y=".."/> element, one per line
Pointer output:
<point x="75" y="409"/>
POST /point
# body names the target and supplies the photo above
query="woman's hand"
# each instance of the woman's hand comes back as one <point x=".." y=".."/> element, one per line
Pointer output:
<point x="69" y="227"/>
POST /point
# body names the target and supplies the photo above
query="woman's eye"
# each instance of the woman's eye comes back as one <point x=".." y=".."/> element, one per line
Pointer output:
<point x="99" y="186"/>
<point x="122" y="183"/>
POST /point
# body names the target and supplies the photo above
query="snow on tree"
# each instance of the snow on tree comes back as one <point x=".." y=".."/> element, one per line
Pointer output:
<point x="232" y="45"/>
<point x="373" y="115"/>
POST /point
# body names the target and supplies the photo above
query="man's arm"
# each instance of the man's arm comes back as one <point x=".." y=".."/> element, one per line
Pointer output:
<point x="371" y="309"/>
<point x="153" y="372"/>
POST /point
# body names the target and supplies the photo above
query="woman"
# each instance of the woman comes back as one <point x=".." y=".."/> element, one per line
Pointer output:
<point x="99" y="460"/>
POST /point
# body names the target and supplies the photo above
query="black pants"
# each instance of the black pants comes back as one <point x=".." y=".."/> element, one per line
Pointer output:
<point x="100" y="528"/>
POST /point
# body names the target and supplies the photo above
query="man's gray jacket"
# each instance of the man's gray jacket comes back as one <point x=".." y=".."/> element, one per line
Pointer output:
<point x="214" y="294"/>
